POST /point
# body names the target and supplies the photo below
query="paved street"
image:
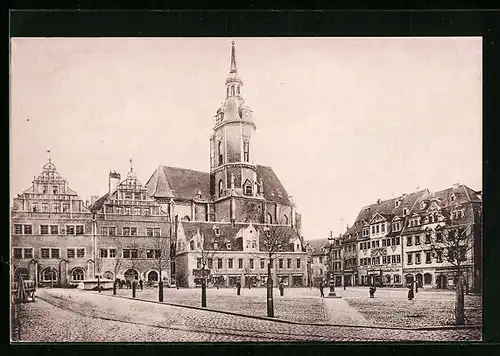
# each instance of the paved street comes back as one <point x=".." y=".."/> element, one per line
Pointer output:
<point x="73" y="315"/>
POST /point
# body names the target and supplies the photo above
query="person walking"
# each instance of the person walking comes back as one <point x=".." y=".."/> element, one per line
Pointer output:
<point x="238" y="288"/>
<point x="141" y="284"/>
<point x="281" y="287"/>
<point x="321" y="286"/>
<point x="410" y="291"/>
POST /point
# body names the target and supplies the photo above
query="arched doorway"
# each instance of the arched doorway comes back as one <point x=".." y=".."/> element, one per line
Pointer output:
<point x="108" y="275"/>
<point x="419" y="278"/>
<point x="441" y="281"/>
<point x="77" y="274"/>
<point x="152" y="276"/>
<point x="427" y="278"/>
<point x="131" y="275"/>
<point x="409" y="278"/>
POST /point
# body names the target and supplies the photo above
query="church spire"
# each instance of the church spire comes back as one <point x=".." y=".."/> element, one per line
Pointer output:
<point x="233" y="60"/>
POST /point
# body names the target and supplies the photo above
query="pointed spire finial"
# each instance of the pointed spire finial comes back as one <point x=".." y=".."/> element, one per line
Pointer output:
<point x="131" y="168"/>
<point x="233" y="59"/>
<point x="48" y="153"/>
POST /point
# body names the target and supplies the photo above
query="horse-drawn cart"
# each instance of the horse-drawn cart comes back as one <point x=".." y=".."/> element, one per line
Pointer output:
<point x="22" y="290"/>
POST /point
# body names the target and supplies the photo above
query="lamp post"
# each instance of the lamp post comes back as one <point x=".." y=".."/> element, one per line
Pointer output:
<point x="332" y="293"/>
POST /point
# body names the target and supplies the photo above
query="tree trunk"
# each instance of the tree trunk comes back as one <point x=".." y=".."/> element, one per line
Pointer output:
<point x="270" y="306"/>
<point x="203" y="292"/>
<point x="160" y="288"/>
<point x="459" y="303"/>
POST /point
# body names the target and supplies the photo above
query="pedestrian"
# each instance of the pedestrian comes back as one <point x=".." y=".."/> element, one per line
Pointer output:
<point x="281" y="287"/>
<point x="238" y="288"/>
<point x="140" y="283"/>
<point x="416" y="286"/>
<point x="321" y="286"/>
<point x="410" y="291"/>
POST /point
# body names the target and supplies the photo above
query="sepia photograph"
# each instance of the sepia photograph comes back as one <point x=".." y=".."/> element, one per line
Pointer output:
<point x="246" y="189"/>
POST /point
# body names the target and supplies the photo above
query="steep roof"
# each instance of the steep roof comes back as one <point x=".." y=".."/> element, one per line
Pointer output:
<point x="273" y="189"/>
<point x="317" y="245"/>
<point x="173" y="182"/>
<point x="99" y="203"/>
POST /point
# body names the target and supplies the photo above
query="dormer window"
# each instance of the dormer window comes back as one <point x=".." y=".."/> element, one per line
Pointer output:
<point x="422" y="205"/>
<point x="452" y="198"/>
<point x="216" y="230"/>
<point x="228" y="245"/>
<point x="247" y="188"/>
<point x="397" y="203"/>
<point x="405" y="211"/>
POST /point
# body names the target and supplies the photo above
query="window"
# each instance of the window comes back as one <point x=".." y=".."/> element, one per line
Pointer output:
<point x="65" y="208"/>
<point x="320" y="259"/>
<point x="428" y="257"/>
<point x="191" y="245"/>
<point x="409" y="240"/>
<point x="133" y="253"/>
<point x="298" y="262"/>
<point x="35" y="207"/>
<point x="112" y="253"/>
<point x="384" y="259"/>
<point x="428" y="238"/>
<point x="153" y="253"/>
<point x="70" y="229"/>
<point x="289" y="263"/>
<point x="18" y="253"/>
<point x="28" y="229"/>
<point x="210" y="263"/>
<point x="373" y="229"/>
<point x="77" y="274"/>
<point x="70" y="253"/>
<point x="137" y="211"/>
<point x="417" y="239"/>
<point x="397" y="278"/>
<point x="104" y="231"/>
<point x="262" y="263"/>
<point x="373" y="244"/>
<point x="119" y="210"/>
<point x="397" y="203"/>
<point x="439" y="256"/>
<point x="439" y="236"/>
<point x="54" y="229"/>
<point x="219" y="150"/>
<point x="80" y="253"/>
<point x="103" y="253"/>
<point x="280" y="263"/>
<point x="251" y="263"/>
<point x="126" y="231"/>
<point x="54" y="253"/>
<point x="248" y="243"/>
<point x="248" y="189"/>
<point x="79" y="229"/>
<point x="240" y="263"/>
<point x="410" y="258"/>
<point x="230" y="263"/>
<point x="157" y="232"/>
<point x="18" y="229"/>
<point x="393" y="258"/>
<point x="377" y="228"/>
<point x="360" y="245"/>
<point x="452" y="198"/>
<point x="133" y="231"/>
<point x="417" y="257"/>
<point x="219" y="263"/>
<point x="220" y="188"/>
<point x="128" y="211"/>
<point x="28" y="252"/>
<point x="384" y="243"/>
<point x="383" y="228"/>
<point x="246" y="151"/>
<point x="55" y="208"/>
<point x="45" y="252"/>
<point x="254" y="244"/>
<point x="49" y="274"/>
<point x="149" y="231"/>
<point x="398" y="258"/>
<point x="45" y="207"/>
<point x="126" y="253"/>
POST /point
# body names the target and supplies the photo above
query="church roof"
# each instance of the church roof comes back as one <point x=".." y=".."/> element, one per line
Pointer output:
<point x="180" y="183"/>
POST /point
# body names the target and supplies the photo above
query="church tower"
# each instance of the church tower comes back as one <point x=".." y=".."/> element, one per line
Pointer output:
<point x="232" y="166"/>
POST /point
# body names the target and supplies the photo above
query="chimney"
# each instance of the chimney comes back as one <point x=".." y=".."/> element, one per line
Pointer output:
<point x="455" y="186"/>
<point x="378" y="201"/>
<point x="114" y="179"/>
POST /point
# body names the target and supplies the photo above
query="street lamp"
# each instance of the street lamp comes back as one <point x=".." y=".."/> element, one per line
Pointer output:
<point x="332" y="293"/>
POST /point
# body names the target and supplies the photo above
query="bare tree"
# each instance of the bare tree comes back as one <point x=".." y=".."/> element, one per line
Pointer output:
<point x="273" y="240"/>
<point x="159" y="251"/>
<point x="205" y="257"/>
<point x="454" y="245"/>
<point x="117" y="262"/>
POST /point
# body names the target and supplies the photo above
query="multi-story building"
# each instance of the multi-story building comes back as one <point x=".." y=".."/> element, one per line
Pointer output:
<point x="400" y="240"/>
<point x="132" y="232"/>
<point x="349" y="253"/>
<point x="336" y="258"/>
<point x="51" y="232"/>
<point x="317" y="252"/>
<point x="443" y="233"/>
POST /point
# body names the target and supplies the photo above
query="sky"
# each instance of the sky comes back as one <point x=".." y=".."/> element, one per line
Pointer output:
<point x="342" y="121"/>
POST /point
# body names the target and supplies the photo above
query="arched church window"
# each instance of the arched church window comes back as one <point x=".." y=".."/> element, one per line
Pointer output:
<point x="285" y="219"/>
<point x="246" y="151"/>
<point x="220" y="188"/>
<point x="232" y="89"/>
<point x="219" y="150"/>
<point x="227" y="94"/>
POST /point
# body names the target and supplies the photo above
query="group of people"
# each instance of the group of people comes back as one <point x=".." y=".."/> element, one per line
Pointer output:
<point x="122" y="283"/>
<point x="281" y="287"/>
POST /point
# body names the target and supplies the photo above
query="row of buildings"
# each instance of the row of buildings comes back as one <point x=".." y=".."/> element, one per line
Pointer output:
<point x="175" y="227"/>
<point x="426" y="237"/>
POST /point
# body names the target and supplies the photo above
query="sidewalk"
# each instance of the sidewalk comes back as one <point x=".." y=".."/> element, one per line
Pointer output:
<point x="340" y="313"/>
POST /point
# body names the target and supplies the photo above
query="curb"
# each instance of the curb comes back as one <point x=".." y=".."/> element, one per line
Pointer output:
<point x="426" y="328"/>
